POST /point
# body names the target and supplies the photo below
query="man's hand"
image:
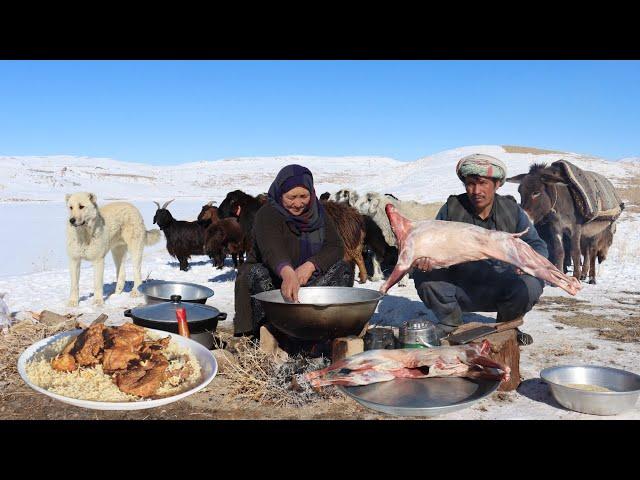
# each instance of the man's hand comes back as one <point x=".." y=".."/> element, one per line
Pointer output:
<point x="290" y="284"/>
<point x="423" y="263"/>
<point x="304" y="272"/>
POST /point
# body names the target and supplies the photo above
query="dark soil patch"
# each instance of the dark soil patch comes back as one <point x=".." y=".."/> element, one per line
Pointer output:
<point x="22" y="403"/>
<point x="503" y="397"/>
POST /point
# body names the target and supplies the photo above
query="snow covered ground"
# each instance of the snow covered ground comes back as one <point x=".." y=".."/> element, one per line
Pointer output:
<point x="34" y="273"/>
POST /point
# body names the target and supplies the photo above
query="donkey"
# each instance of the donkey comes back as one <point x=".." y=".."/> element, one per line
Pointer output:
<point x="546" y="198"/>
<point x="596" y="247"/>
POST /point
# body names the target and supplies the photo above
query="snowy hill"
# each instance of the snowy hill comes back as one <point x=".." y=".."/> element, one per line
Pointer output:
<point x="427" y="179"/>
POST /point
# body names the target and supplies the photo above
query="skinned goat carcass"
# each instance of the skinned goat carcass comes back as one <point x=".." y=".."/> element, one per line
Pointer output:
<point x="373" y="366"/>
<point x="449" y="243"/>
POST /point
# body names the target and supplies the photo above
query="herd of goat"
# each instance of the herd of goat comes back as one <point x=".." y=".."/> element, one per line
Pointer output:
<point x="361" y="222"/>
<point x="228" y="229"/>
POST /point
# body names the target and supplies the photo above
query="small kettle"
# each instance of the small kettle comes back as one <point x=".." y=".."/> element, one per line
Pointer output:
<point x="418" y="334"/>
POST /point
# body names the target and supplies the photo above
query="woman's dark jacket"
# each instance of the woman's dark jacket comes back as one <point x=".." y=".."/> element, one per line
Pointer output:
<point x="275" y="245"/>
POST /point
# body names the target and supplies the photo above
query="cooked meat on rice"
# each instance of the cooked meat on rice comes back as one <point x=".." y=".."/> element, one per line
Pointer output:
<point x="145" y="377"/>
<point x="117" y="359"/>
<point x="116" y="364"/>
<point x="127" y="335"/>
<point x="64" y="363"/>
<point x="87" y="349"/>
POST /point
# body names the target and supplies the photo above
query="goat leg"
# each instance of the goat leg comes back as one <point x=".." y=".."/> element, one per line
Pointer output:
<point x="405" y="259"/>
<point x="517" y="252"/>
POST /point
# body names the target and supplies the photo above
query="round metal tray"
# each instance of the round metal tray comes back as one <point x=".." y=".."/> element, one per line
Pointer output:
<point x="422" y="397"/>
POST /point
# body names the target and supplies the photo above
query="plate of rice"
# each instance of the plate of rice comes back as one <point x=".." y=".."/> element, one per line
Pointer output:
<point x="91" y="387"/>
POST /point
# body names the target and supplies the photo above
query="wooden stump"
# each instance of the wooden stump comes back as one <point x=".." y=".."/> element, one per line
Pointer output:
<point x="504" y="349"/>
<point x="345" y="347"/>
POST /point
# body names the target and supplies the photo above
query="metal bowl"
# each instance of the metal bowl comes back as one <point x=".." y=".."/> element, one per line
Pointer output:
<point x="625" y="388"/>
<point x="323" y="312"/>
<point x="157" y="291"/>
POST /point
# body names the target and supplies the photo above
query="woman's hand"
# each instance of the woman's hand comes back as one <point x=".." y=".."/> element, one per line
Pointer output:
<point x="423" y="263"/>
<point x="304" y="272"/>
<point x="290" y="284"/>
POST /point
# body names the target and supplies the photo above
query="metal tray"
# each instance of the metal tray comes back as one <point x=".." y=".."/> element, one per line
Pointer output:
<point x="422" y="397"/>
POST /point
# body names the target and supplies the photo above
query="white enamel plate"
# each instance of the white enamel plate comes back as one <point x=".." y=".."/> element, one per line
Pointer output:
<point x="206" y="359"/>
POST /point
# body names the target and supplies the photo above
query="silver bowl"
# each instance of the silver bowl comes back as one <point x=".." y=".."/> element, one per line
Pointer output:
<point x="157" y="291"/>
<point x="323" y="312"/>
<point x="625" y="388"/>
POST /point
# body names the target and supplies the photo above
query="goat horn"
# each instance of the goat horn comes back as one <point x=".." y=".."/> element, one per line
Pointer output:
<point x="157" y="204"/>
<point x="210" y="204"/>
<point x="165" y="205"/>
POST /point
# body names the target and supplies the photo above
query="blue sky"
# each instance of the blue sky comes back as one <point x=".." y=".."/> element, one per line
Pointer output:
<point x="170" y="112"/>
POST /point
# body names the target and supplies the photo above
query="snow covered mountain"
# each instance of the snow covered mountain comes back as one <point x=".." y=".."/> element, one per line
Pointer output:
<point x="430" y="178"/>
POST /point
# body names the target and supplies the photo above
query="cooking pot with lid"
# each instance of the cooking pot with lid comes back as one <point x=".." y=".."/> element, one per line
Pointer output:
<point x="202" y="319"/>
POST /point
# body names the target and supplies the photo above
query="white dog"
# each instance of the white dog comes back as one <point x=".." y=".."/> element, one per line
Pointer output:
<point x="93" y="231"/>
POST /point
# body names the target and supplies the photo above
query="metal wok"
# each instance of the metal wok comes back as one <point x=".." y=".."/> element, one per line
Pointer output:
<point x="323" y="312"/>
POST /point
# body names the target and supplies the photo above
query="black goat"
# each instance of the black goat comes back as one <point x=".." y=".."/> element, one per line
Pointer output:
<point x="242" y="206"/>
<point x="383" y="254"/>
<point x="183" y="238"/>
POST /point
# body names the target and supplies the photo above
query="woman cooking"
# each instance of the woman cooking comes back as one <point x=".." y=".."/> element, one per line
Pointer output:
<point x="295" y="244"/>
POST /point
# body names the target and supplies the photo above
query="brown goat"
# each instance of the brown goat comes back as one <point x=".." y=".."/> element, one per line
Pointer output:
<point x="351" y="228"/>
<point x="222" y="237"/>
<point x="596" y="246"/>
<point x="208" y="215"/>
<point x="262" y="198"/>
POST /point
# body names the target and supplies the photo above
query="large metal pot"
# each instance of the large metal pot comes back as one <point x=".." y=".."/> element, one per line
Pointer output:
<point x="202" y="319"/>
<point x="157" y="291"/>
<point x="323" y="312"/>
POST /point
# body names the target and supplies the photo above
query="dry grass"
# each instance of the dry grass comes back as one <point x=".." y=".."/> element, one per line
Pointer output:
<point x="622" y="327"/>
<point x="12" y="199"/>
<point x="629" y="191"/>
<point x="534" y="151"/>
<point x="20" y="336"/>
<point x="555" y="304"/>
<point x="124" y="175"/>
<point x="618" y="328"/>
<point x="258" y="377"/>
